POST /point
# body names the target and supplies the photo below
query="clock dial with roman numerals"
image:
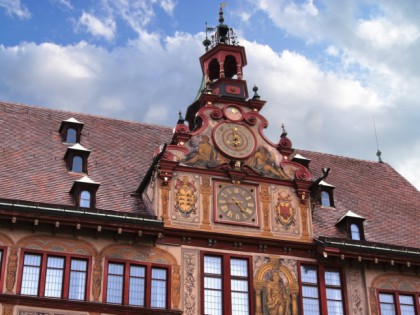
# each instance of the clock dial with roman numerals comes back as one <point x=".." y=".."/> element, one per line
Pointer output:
<point x="236" y="203"/>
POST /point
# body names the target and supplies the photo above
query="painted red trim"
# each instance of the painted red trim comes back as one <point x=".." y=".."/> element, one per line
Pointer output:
<point x="4" y="257"/>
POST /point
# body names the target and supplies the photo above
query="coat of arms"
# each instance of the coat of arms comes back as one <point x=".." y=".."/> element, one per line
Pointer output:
<point x="185" y="196"/>
<point x="284" y="211"/>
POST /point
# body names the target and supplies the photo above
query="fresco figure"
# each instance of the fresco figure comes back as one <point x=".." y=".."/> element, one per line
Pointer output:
<point x="263" y="162"/>
<point x="204" y="155"/>
<point x="278" y="297"/>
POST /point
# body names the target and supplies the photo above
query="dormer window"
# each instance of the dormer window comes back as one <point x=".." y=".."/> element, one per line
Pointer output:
<point x="85" y="200"/>
<point x="352" y="224"/>
<point x="76" y="158"/>
<point x="354" y="232"/>
<point x="326" y="197"/>
<point x="84" y="192"/>
<point x="71" y="130"/>
<point x="71" y="135"/>
<point x="77" y="164"/>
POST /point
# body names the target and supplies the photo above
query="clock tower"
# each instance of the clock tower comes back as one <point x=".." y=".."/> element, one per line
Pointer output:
<point x="222" y="185"/>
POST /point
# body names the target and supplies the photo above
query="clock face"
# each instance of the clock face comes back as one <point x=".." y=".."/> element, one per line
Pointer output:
<point x="234" y="140"/>
<point x="233" y="113"/>
<point x="236" y="204"/>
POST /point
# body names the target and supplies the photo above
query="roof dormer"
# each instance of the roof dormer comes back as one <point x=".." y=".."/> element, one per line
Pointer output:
<point x="84" y="192"/>
<point x="352" y="224"/>
<point x="326" y="194"/>
<point x="71" y="130"/>
<point x="76" y="158"/>
<point x="301" y="160"/>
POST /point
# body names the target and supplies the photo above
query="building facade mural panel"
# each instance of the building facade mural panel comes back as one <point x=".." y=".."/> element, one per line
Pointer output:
<point x="191" y="281"/>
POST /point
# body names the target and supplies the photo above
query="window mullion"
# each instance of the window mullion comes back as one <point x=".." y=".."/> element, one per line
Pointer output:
<point x="42" y="275"/>
<point x="126" y="283"/>
<point x="397" y="303"/>
<point x="226" y="285"/>
<point x="417" y="303"/>
<point x="322" y="290"/>
<point x="66" y="277"/>
<point x="148" y="288"/>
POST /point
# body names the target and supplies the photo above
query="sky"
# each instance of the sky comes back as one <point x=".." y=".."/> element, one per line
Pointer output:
<point x="343" y="76"/>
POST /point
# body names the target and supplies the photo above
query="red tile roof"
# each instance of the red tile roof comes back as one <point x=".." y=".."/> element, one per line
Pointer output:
<point x="32" y="167"/>
<point x="373" y="190"/>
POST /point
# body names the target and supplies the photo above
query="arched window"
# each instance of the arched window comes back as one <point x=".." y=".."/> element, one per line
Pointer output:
<point x="325" y="199"/>
<point x="230" y="66"/>
<point x="214" y="70"/>
<point x="355" y="232"/>
<point x="85" y="201"/>
<point x="71" y="135"/>
<point x="77" y="165"/>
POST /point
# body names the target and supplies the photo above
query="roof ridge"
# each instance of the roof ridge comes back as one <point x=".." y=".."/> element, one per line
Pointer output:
<point x="42" y="107"/>
<point x="341" y="156"/>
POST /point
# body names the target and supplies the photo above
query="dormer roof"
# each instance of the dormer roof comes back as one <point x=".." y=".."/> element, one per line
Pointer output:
<point x="350" y="214"/>
<point x="325" y="184"/>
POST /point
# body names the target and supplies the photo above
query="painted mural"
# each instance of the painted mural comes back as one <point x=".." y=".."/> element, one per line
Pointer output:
<point x="277" y="296"/>
<point x="276" y="288"/>
<point x="284" y="211"/>
<point x="185" y="194"/>
<point x="264" y="163"/>
<point x="202" y="153"/>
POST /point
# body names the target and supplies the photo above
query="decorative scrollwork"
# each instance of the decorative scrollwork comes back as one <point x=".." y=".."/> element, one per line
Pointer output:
<point x="216" y="114"/>
<point x="303" y="173"/>
<point x="250" y="119"/>
<point x="285" y="143"/>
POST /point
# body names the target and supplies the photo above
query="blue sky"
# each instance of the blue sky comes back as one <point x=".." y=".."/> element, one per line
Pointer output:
<point x="325" y="67"/>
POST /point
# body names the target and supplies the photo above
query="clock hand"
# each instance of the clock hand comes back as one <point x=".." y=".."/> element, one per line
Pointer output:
<point x="238" y="204"/>
<point x="236" y="140"/>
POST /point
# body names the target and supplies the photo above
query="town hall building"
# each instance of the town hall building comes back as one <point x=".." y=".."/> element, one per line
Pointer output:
<point x="101" y="216"/>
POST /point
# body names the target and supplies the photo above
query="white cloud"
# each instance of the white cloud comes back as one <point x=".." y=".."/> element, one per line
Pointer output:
<point x="14" y="7"/>
<point x="136" y="13"/>
<point x="130" y="82"/>
<point x="64" y="4"/>
<point x="168" y="6"/>
<point x="383" y="34"/>
<point x="96" y="27"/>
<point x="332" y="51"/>
<point x="307" y="8"/>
